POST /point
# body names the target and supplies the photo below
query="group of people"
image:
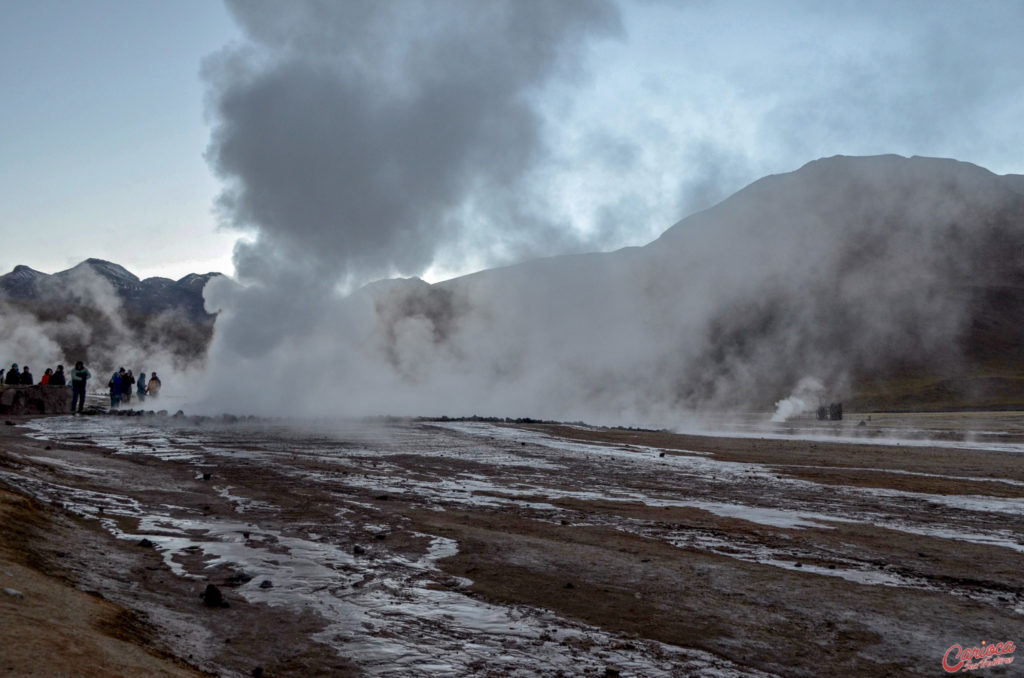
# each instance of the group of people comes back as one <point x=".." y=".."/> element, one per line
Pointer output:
<point x="121" y="383"/>
<point x="23" y="376"/>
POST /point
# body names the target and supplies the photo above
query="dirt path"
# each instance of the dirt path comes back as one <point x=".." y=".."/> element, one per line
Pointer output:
<point x="419" y="548"/>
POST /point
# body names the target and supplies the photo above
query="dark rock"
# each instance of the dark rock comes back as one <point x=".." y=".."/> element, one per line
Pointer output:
<point x="358" y="550"/>
<point x="245" y="535"/>
<point x="146" y="544"/>
<point x="382" y="497"/>
<point x="612" y="671"/>
<point x="799" y="565"/>
<point x="266" y="584"/>
<point x="206" y="476"/>
<point x="47" y="448"/>
<point x="569" y="586"/>
<point x="257" y="672"/>
<point x="9" y="422"/>
<point x="35" y="400"/>
<point x="662" y="454"/>
<point x="380" y="536"/>
<point x="237" y="579"/>
<point x="212" y="597"/>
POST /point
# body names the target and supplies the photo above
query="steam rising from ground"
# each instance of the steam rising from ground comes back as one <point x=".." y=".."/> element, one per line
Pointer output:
<point x="805" y="398"/>
<point x="81" y="317"/>
<point x="356" y="139"/>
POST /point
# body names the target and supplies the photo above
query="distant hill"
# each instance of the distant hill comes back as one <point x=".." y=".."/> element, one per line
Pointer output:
<point x="896" y="282"/>
<point x="99" y="311"/>
<point x="150" y="296"/>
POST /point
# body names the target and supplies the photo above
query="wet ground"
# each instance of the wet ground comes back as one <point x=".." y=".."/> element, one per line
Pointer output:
<point x="405" y="548"/>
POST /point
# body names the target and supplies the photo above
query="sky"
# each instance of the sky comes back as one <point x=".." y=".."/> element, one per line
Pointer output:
<point x="127" y="133"/>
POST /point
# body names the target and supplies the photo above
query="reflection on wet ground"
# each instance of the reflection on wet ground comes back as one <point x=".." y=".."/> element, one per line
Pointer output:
<point x="302" y="520"/>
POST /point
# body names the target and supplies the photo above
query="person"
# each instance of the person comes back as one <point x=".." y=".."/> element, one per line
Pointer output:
<point x="153" y="389"/>
<point x="140" y="389"/>
<point x="79" y="376"/>
<point x="127" y="381"/>
<point x="115" y="388"/>
<point x="1" y="376"/>
<point x="58" y="378"/>
<point x="46" y="377"/>
<point x="26" y="377"/>
<point x="13" y="375"/>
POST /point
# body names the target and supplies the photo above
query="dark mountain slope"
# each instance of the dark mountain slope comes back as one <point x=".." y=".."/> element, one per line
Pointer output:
<point x="894" y="281"/>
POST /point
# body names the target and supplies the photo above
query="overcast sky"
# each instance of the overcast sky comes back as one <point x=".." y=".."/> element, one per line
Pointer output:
<point x="669" y="107"/>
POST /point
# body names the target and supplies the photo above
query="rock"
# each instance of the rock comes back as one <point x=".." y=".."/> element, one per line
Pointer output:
<point x="799" y="565"/>
<point x="380" y="536"/>
<point x="146" y="544"/>
<point x="35" y="400"/>
<point x="206" y="476"/>
<point x="358" y="550"/>
<point x="212" y="597"/>
<point x="382" y="497"/>
<point x="569" y="586"/>
<point x="612" y="671"/>
<point x="9" y="422"/>
<point x="238" y="579"/>
<point x="257" y="672"/>
<point x="14" y="593"/>
<point x="179" y="414"/>
<point x="266" y="584"/>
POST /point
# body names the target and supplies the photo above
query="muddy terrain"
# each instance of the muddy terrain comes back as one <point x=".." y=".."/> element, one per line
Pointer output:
<point x="471" y="548"/>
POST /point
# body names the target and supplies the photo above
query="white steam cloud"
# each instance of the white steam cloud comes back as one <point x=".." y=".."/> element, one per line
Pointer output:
<point x="357" y="139"/>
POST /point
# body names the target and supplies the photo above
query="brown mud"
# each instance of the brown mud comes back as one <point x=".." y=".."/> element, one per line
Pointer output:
<point x="419" y="548"/>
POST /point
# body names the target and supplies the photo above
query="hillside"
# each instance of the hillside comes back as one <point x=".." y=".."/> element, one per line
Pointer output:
<point x="896" y="282"/>
<point x="103" y="314"/>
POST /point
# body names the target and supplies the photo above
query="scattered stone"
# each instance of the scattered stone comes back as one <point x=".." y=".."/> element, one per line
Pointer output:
<point x="358" y="550"/>
<point x="662" y="454"/>
<point x="382" y="497"/>
<point x="569" y="586"/>
<point x="212" y="597"/>
<point x="612" y="671"/>
<point x="47" y="448"/>
<point x="799" y="565"/>
<point x="146" y="544"/>
<point x="9" y="422"/>
<point x="257" y="672"/>
<point x="245" y="535"/>
<point x="266" y="584"/>
<point x="380" y="536"/>
<point x="237" y="579"/>
<point x="831" y="567"/>
<point x="206" y="476"/>
<point x="14" y="593"/>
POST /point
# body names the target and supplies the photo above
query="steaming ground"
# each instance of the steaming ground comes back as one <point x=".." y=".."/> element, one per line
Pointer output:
<point x="473" y="548"/>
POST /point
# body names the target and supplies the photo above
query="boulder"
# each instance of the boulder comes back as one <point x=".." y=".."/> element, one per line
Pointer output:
<point x="35" y="399"/>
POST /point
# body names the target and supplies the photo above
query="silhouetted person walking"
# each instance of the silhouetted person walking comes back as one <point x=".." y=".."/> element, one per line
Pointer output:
<point x="79" y="377"/>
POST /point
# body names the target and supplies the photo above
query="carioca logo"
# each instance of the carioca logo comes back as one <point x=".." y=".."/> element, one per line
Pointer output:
<point x="959" y="658"/>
